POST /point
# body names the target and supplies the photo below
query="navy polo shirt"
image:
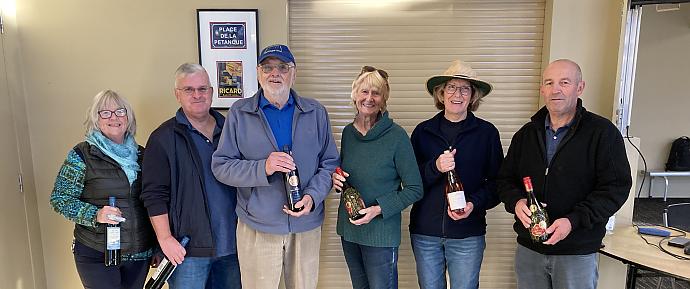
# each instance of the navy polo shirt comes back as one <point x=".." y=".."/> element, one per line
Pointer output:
<point x="553" y="138"/>
<point x="280" y="120"/>
<point x="220" y="198"/>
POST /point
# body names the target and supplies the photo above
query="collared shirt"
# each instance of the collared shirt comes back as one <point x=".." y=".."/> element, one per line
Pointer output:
<point x="553" y="138"/>
<point x="220" y="198"/>
<point x="280" y="120"/>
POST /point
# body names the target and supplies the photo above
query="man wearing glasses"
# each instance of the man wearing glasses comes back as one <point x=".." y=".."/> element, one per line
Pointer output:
<point x="271" y="238"/>
<point x="183" y="197"/>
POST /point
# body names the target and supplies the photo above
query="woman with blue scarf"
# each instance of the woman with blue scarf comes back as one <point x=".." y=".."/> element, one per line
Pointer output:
<point x="107" y="164"/>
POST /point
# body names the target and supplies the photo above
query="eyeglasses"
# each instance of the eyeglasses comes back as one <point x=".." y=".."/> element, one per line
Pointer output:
<point x="106" y="114"/>
<point x="450" y="89"/>
<point x="368" y="68"/>
<point x="189" y="91"/>
<point x="282" y="67"/>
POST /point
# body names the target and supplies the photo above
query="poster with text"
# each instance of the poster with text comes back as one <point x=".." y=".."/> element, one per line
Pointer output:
<point x="228" y="50"/>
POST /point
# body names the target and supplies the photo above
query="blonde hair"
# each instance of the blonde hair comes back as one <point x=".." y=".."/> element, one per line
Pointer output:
<point x="100" y="101"/>
<point x="372" y="78"/>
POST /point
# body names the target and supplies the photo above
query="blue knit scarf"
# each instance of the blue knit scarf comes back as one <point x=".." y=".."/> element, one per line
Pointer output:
<point x="124" y="154"/>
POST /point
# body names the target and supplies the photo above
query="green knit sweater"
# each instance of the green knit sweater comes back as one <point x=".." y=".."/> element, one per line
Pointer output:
<point x="383" y="168"/>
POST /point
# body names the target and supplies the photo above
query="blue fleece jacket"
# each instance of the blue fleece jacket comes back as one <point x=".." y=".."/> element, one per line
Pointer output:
<point x="240" y="161"/>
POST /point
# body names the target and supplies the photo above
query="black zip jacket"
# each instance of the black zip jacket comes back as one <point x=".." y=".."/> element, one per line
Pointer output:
<point x="477" y="160"/>
<point x="173" y="183"/>
<point x="587" y="181"/>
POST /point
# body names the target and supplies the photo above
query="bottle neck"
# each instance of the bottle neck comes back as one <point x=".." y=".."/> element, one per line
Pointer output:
<point x="533" y="199"/>
<point x="452" y="177"/>
<point x="346" y="185"/>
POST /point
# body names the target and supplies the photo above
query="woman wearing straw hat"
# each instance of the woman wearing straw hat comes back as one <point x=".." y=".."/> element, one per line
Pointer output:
<point x="454" y="139"/>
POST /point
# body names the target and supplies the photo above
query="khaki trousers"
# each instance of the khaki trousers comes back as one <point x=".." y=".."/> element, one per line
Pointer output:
<point x="263" y="257"/>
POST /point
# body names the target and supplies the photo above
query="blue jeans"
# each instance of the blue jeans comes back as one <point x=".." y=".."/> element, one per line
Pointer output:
<point x="538" y="271"/>
<point x="461" y="257"/>
<point x="207" y="273"/>
<point x="371" y="267"/>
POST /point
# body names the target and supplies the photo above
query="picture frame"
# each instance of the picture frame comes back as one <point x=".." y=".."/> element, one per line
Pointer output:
<point x="228" y="49"/>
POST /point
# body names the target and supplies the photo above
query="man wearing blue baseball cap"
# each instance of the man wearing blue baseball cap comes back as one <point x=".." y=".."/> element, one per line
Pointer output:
<point x="271" y="238"/>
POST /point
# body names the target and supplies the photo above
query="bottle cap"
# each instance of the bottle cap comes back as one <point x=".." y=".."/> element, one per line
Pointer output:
<point x="339" y="171"/>
<point x="528" y="183"/>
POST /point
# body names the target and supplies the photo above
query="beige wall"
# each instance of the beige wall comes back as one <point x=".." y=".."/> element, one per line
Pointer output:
<point x="587" y="32"/>
<point x="11" y="50"/>
<point x="661" y="99"/>
<point x="74" y="48"/>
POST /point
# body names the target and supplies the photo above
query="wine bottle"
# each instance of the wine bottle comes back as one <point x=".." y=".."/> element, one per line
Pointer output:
<point x="164" y="270"/>
<point x="539" y="217"/>
<point x="455" y="193"/>
<point x="294" y="193"/>
<point x="113" y="254"/>
<point x="352" y="200"/>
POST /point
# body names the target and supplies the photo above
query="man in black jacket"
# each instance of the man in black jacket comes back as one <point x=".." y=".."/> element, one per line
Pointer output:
<point x="182" y="196"/>
<point x="579" y="169"/>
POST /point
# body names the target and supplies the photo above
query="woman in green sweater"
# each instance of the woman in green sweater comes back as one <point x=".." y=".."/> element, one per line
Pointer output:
<point x="378" y="160"/>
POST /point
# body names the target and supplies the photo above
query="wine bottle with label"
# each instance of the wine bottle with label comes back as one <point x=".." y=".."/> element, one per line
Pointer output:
<point x="294" y="193"/>
<point x="165" y="269"/>
<point x="113" y="254"/>
<point x="455" y="193"/>
<point x="539" y="217"/>
<point x="352" y="200"/>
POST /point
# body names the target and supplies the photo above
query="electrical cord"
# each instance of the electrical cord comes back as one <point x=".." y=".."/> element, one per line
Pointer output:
<point x="644" y="161"/>
<point x="660" y="245"/>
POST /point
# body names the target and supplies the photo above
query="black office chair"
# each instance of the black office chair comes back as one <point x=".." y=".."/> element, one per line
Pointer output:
<point x="677" y="216"/>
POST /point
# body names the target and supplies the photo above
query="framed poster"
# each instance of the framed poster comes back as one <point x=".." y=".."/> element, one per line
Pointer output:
<point x="228" y="50"/>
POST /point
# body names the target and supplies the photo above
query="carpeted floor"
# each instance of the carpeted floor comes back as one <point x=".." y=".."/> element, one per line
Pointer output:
<point x="650" y="211"/>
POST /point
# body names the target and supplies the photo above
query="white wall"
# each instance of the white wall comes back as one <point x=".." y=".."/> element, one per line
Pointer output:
<point x="588" y="32"/>
<point x="661" y="101"/>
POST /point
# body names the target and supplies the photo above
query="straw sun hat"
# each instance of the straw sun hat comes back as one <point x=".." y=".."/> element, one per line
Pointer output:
<point x="459" y="70"/>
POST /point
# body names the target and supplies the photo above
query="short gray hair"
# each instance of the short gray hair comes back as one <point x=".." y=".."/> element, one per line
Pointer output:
<point x="99" y="102"/>
<point x="188" y="69"/>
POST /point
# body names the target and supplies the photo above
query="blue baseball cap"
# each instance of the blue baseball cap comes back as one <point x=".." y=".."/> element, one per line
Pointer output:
<point x="279" y="51"/>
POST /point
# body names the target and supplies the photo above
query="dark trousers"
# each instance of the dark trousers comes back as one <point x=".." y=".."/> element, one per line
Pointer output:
<point x="95" y="275"/>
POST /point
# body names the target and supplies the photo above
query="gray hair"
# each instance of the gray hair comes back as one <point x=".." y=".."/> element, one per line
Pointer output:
<point x="100" y="101"/>
<point x="188" y="69"/>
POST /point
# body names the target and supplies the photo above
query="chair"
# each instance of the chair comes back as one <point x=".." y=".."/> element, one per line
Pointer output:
<point x="677" y="216"/>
